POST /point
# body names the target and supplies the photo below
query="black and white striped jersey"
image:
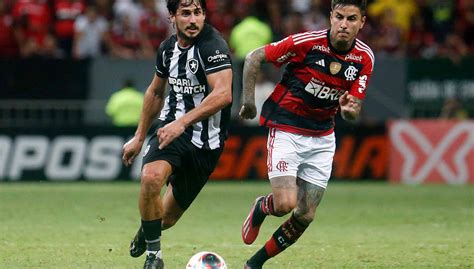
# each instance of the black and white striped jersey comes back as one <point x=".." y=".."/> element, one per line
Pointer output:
<point x="186" y="70"/>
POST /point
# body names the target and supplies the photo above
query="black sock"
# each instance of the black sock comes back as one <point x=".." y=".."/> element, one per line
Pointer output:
<point x="286" y="235"/>
<point x="152" y="231"/>
<point x="258" y="258"/>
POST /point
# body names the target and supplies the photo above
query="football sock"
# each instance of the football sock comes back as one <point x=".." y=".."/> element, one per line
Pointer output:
<point x="282" y="238"/>
<point x="156" y="253"/>
<point x="267" y="204"/>
<point x="264" y="208"/>
<point x="152" y="231"/>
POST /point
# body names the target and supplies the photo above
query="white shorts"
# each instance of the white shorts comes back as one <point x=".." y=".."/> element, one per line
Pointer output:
<point x="307" y="157"/>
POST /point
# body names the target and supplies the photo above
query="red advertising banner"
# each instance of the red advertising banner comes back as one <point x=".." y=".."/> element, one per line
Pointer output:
<point x="95" y="154"/>
<point x="361" y="154"/>
<point x="431" y="151"/>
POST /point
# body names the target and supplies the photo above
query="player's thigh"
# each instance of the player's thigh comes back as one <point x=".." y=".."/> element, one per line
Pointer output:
<point x="160" y="163"/>
<point x="188" y="181"/>
<point x="282" y="158"/>
<point x="317" y="154"/>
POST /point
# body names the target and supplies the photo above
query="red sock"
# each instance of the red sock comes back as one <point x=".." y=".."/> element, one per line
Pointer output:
<point x="267" y="205"/>
<point x="282" y="238"/>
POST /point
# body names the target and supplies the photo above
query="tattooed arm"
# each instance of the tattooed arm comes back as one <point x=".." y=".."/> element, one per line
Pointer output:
<point x="252" y="65"/>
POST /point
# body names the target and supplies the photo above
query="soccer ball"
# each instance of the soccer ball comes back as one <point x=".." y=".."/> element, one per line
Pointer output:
<point x="206" y="260"/>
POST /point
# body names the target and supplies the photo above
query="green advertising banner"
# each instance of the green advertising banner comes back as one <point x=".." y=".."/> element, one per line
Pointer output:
<point x="430" y="83"/>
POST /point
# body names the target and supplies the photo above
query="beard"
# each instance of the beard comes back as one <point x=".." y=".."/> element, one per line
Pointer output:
<point x="182" y="34"/>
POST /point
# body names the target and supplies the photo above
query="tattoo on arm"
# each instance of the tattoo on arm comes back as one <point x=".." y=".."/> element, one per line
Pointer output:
<point x="252" y="64"/>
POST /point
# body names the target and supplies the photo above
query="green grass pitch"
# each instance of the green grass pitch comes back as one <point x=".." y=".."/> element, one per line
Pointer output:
<point x="358" y="225"/>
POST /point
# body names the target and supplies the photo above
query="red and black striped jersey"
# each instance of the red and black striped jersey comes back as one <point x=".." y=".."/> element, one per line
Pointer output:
<point x="305" y="101"/>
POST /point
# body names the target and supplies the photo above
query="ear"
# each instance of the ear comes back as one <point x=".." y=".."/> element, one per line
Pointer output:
<point x="363" y="19"/>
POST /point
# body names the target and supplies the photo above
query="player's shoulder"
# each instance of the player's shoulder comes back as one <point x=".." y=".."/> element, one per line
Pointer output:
<point x="309" y="38"/>
<point x="210" y="36"/>
<point x="169" y="43"/>
<point x="365" y="51"/>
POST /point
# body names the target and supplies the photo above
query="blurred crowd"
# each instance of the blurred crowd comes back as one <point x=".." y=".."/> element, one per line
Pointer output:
<point x="133" y="29"/>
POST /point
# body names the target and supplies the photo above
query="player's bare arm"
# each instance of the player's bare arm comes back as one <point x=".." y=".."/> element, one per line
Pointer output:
<point x="252" y="65"/>
<point x="350" y="107"/>
<point x="220" y="97"/>
<point x="152" y="104"/>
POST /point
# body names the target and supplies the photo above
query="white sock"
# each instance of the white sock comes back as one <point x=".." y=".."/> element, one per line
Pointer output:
<point x="156" y="253"/>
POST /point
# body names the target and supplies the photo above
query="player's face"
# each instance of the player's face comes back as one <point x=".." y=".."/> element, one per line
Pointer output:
<point x="346" y="22"/>
<point x="189" y="22"/>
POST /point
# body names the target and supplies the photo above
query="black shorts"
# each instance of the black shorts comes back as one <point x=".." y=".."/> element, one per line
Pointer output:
<point x="192" y="166"/>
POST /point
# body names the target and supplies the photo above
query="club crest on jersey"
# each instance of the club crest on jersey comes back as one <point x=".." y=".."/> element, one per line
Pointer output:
<point x="351" y="73"/>
<point x="335" y="67"/>
<point x="192" y="65"/>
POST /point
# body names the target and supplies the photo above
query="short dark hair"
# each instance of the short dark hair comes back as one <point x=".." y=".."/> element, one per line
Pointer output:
<point x="173" y="5"/>
<point x="361" y="4"/>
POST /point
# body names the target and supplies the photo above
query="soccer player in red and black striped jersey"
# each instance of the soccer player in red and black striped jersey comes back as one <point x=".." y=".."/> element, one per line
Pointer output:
<point x="325" y="71"/>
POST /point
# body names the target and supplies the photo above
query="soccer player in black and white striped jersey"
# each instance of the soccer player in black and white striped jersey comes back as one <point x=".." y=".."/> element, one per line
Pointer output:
<point x="196" y="67"/>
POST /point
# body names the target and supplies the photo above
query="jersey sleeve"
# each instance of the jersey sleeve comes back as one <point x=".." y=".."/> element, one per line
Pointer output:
<point x="285" y="51"/>
<point x="359" y="87"/>
<point x="160" y="68"/>
<point x="215" y="55"/>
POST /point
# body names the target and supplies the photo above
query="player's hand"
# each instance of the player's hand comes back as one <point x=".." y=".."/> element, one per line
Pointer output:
<point x="248" y="111"/>
<point x="350" y="106"/>
<point x="170" y="132"/>
<point x="130" y="150"/>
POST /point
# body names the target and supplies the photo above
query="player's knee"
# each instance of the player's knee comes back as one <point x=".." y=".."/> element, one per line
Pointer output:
<point x="305" y="217"/>
<point x="151" y="182"/>
<point x="284" y="206"/>
<point x="168" y="223"/>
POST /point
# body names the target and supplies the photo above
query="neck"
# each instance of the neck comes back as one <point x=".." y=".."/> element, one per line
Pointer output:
<point x="184" y="41"/>
<point x="341" y="45"/>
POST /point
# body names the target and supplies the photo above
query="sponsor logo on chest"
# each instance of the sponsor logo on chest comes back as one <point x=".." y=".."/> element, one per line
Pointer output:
<point x="353" y="57"/>
<point x="317" y="89"/>
<point x="321" y="48"/>
<point x="184" y="86"/>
